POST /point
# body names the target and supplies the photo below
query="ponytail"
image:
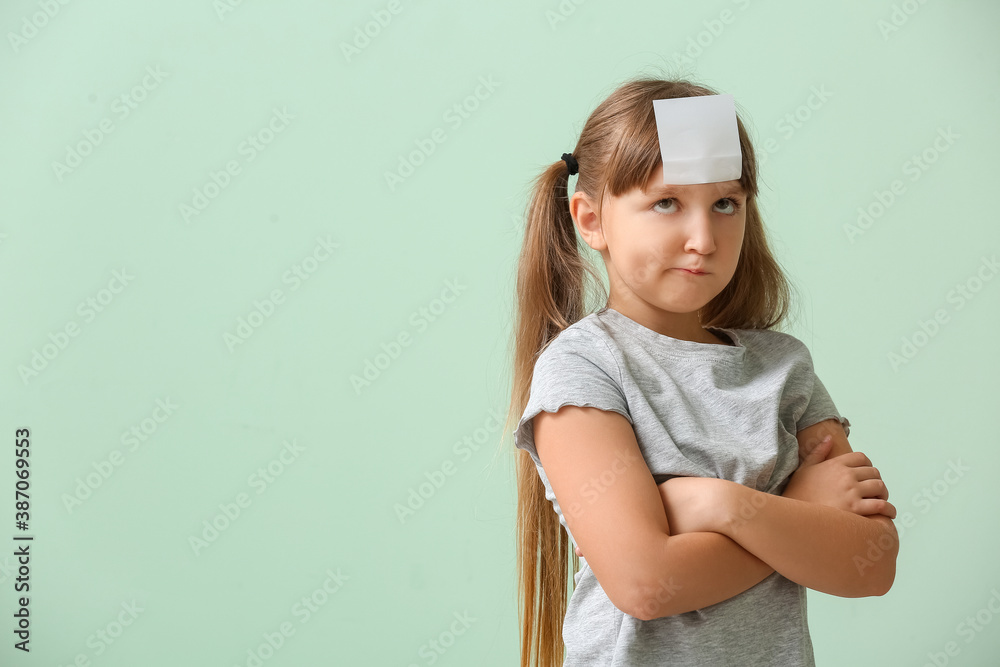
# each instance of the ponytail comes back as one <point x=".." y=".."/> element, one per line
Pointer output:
<point x="551" y="293"/>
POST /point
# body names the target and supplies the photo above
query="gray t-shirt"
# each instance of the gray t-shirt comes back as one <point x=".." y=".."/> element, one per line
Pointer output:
<point x="697" y="409"/>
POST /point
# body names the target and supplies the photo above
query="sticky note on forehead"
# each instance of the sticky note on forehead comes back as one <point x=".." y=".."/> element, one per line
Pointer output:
<point x="699" y="139"/>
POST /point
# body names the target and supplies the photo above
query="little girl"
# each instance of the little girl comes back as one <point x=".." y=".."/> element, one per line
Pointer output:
<point x="686" y="446"/>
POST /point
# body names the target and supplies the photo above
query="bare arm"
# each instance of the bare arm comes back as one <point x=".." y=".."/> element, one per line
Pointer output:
<point x="824" y="548"/>
<point x="613" y="509"/>
<point x="868" y="517"/>
<point x="697" y="570"/>
<point x="816" y="545"/>
<point x="738" y="570"/>
<point x="832" y="530"/>
<point x="875" y="531"/>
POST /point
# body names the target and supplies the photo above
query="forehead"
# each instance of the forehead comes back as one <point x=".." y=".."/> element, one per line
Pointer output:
<point x="656" y="187"/>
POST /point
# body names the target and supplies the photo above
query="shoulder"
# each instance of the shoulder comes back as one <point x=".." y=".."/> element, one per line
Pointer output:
<point x="773" y="343"/>
<point x="585" y="336"/>
<point x="583" y="344"/>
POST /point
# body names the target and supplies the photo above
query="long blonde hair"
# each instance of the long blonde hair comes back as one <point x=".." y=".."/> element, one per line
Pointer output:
<point x="618" y="150"/>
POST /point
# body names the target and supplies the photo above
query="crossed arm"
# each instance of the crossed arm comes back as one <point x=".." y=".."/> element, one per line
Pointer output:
<point x="729" y="539"/>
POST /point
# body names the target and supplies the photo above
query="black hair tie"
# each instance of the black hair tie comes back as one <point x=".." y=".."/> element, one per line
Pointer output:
<point x="574" y="167"/>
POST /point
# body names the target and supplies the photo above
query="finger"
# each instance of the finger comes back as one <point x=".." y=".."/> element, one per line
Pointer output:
<point x="870" y="506"/>
<point x="866" y="472"/>
<point x="873" y="488"/>
<point x="863" y="473"/>
<point x="855" y="459"/>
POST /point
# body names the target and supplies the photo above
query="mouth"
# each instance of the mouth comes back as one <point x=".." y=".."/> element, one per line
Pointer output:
<point x="693" y="273"/>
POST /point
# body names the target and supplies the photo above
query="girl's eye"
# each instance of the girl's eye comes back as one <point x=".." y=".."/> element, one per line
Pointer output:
<point x="733" y="205"/>
<point x="661" y="201"/>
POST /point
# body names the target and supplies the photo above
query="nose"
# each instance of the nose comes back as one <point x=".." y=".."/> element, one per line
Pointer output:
<point x="700" y="235"/>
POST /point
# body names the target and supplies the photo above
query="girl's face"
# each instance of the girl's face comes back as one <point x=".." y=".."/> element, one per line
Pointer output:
<point x="647" y="238"/>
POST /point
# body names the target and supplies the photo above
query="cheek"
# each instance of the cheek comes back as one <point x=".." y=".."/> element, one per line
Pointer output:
<point x="734" y="248"/>
<point x="732" y="242"/>
<point x="741" y="233"/>
<point x="645" y="265"/>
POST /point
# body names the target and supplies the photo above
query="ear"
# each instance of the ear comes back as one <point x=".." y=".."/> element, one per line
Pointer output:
<point x="581" y="207"/>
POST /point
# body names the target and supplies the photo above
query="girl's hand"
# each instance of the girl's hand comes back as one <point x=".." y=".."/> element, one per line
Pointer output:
<point x="692" y="504"/>
<point x="847" y="482"/>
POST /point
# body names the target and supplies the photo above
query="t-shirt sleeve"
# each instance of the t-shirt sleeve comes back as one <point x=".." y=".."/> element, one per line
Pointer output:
<point x="577" y="368"/>
<point x="821" y="407"/>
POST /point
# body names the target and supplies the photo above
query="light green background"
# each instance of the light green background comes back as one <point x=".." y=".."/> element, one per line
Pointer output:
<point x="456" y="218"/>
